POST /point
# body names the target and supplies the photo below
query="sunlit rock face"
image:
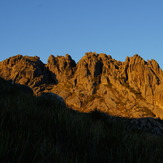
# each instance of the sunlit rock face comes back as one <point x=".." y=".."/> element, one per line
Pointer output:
<point x="25" y="70"/>
<point x="132" y="88"/>
<point x="62" y="67"/>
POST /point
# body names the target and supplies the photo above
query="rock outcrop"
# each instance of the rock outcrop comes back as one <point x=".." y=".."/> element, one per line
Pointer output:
<point x="97" y="82"/>
<point x="61" y="67"/>
<point x="26" y="70"/>
<point x="131" y="88"/>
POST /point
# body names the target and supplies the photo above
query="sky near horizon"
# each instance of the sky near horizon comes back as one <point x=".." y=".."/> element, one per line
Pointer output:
<point x="118" y="28"/>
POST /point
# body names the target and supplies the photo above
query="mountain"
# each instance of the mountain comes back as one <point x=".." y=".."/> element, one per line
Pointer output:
<point x="130" y="89"/>
<point x="36" y="126"/>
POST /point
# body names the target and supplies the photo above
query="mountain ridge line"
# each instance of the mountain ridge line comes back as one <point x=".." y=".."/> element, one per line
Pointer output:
<point x="132" y="88"/>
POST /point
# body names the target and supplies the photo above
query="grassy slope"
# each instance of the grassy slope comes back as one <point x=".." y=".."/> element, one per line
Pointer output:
<point x="35" y="129"/>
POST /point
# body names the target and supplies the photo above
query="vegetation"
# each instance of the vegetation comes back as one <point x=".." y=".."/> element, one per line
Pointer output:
<point x="39" y="130"/>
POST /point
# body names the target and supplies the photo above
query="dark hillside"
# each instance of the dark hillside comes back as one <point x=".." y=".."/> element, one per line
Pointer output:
<point x="42" y="130"/>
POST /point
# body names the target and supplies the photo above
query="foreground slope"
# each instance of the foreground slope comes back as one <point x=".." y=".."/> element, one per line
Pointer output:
<point x="40" y="129"/>
<point x="97" y="82"/>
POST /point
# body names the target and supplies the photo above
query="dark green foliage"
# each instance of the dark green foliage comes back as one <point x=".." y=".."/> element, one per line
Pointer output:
<point x="37" y="130"/>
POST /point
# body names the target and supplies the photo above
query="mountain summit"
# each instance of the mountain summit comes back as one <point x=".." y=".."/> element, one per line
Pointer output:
<point x="97" y="82"/>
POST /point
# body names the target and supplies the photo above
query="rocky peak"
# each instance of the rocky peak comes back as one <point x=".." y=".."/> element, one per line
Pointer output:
<point x="97" y="82"/>
<point x="107" y="83"/>
<point x="142" y="77"/>
<point x="155" y="67"/>
<point x="24" y="70"/>
<point x="136" y="59"/>
<point x="88" y="71"/>
<point x="92" y="64"/>
<point x="62" y="67"/>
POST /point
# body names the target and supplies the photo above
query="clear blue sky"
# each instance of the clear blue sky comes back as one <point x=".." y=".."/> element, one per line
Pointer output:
<point x="119" y="28"/>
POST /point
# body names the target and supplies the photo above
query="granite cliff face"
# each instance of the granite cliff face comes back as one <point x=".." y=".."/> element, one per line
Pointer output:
<point x="26" y="70"/>
<point x="61" y="67"/>
<point x="97" y="82"/>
